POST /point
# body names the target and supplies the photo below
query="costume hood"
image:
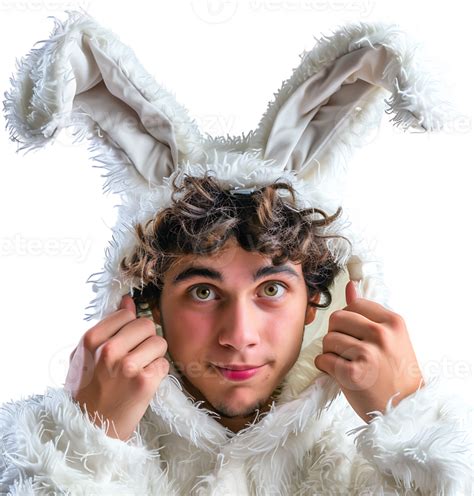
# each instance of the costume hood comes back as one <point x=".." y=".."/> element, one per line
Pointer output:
<point x="83" y="76"/>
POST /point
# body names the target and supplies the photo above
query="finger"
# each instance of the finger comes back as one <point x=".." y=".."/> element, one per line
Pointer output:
<point x="371" y="310"/>
<point x="146" y="352"/>
<point x="129" y="337"/>
<point x="347" y="374"/>
<point x="353" y="324"/>
<point x="159" y="368"/>
<point x="128" y="303"/>
<point x="96" y="336"/>
<point x="351" y="292"/>
<point x="342" y="345"/>
<point x="331" y="363"/>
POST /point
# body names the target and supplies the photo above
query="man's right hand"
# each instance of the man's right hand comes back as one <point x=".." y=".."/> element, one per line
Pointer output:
<point x="117" y="367"/>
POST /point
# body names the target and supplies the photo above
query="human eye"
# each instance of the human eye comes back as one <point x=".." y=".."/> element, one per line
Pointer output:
<point x="274" y="286"/>
<point x="202" y="291"/>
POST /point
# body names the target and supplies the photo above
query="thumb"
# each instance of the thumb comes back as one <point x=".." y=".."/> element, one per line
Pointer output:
<point x="128" y="303"/>
<point x="351" y="292"/>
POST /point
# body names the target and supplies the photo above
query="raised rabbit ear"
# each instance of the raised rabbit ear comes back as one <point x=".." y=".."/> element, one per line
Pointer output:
<point x="336" y="96"/>
<point x="85" y="77"/>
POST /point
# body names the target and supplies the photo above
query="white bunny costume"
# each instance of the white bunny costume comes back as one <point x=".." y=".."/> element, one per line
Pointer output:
<point x="311" y="442"/>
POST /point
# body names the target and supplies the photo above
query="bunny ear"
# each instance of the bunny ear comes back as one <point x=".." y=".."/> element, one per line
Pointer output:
<point x="336" y="96"/>
<point x="84" y="77"/>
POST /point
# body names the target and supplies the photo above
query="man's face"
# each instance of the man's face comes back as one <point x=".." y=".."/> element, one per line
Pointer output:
<point x="234" y="320"/>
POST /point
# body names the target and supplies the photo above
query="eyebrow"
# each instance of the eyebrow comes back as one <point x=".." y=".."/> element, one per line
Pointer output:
<point x="208" y="272"/>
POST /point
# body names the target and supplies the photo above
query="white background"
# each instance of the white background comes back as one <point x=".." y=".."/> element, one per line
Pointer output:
<point x="224" y="60"/>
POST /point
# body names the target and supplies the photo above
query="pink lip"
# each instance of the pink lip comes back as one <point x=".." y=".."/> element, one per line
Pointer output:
<point x="238" y="375"/>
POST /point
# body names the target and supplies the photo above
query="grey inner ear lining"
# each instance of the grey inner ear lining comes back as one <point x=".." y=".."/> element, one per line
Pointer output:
<point x="327" y="126"/>
<point x="306" y="124"/>
<point x="315" y="112"/>
<point x="140" y="130"/>
<point x="123" y="127"/>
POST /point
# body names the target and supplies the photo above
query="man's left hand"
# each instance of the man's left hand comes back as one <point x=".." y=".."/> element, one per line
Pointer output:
<point x="369" y="353"/>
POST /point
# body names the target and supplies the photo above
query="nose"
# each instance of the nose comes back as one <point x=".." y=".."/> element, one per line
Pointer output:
<point x="239" y="325"/>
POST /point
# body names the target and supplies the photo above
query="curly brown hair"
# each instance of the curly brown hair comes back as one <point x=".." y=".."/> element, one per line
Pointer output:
<point x="206" y="215"/>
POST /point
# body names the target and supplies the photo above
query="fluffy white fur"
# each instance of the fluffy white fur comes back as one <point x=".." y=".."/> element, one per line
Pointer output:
<point x="303" y="446"/>
<point x="311" y="442"/>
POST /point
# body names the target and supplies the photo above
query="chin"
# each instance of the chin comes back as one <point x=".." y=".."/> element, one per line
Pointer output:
<point x="231" y="410"/>
<point x="241" y="401"/>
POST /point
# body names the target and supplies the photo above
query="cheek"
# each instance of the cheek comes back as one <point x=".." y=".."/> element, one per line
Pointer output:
<point x="286" y="333"/>
<point x="188" y="334"/>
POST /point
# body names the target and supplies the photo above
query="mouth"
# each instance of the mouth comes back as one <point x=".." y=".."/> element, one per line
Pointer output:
<point x="239" y="373"/>
<point x="232" y="366"/>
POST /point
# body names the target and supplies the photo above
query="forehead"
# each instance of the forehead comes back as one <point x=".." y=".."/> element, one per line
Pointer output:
<point x="231" y="262"/>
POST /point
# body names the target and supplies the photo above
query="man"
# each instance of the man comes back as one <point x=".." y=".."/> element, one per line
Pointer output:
<point x="233" y="324"/>
<point x="235" y="348"/>
<point x="223" y="253"/>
